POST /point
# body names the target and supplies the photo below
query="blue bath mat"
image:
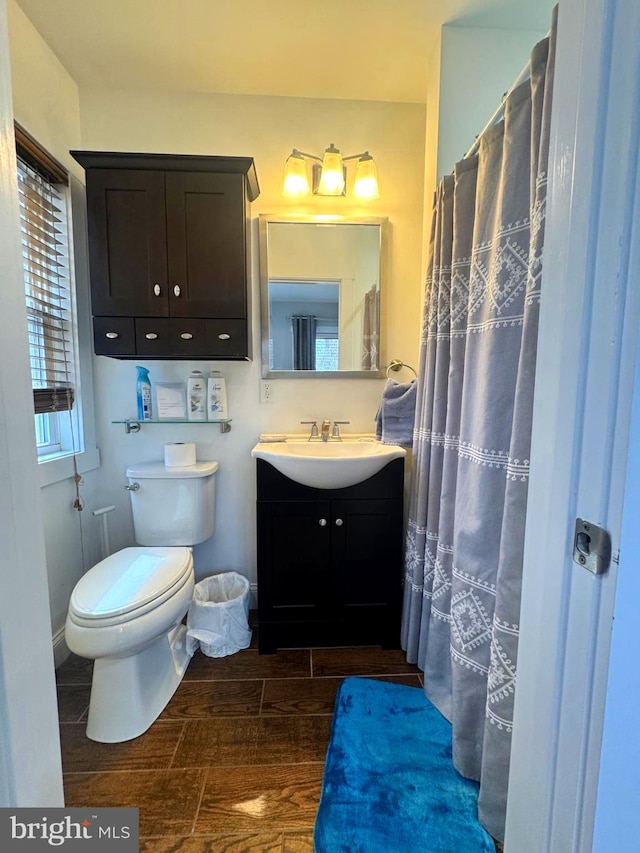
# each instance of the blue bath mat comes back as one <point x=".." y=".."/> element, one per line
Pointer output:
<point x="389" y="784"/>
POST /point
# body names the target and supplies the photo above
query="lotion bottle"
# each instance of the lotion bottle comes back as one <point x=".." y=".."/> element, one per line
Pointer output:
<point x="143" y="393"/>
<point x="196" y="397"/>
<point x="217" y="409"/>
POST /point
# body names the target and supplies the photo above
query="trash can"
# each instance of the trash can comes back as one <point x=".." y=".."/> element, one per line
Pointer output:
<point x="217" y="620"/>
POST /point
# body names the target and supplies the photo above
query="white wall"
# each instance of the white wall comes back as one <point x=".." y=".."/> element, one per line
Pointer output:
<point x="477" y="67"/>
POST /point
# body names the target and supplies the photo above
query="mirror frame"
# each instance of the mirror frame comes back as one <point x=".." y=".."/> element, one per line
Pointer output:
<point x="264" y="220"/>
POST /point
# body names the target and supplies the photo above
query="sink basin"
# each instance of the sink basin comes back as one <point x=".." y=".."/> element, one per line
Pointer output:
<point x="330" y="464"/>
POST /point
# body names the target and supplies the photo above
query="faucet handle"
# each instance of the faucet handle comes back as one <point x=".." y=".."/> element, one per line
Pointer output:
<point x="335" y="433"/>
<point x="314" y="428"/>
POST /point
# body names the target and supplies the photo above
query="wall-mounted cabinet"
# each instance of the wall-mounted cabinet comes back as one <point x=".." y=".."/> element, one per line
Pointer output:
<point x="329" y="561"/>
<point x="169" y="254"/>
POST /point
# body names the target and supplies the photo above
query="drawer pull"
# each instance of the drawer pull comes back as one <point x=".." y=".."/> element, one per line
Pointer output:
<point x="112" y="335"/>
<point x="339" y="522"/>
<point x="322" y="522"/>
<point x="157" y="290"/>
<point x="186" y="336"/>
<point x="151" y="336"/>
<point x="176" y="290"/>
<point x="224" y="336"/>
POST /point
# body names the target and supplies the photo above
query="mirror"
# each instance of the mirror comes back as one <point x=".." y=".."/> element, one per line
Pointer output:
<point x="321" y="283"/>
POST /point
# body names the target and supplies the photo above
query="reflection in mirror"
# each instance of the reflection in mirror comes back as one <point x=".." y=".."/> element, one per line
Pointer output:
<point x="321" y="284"/>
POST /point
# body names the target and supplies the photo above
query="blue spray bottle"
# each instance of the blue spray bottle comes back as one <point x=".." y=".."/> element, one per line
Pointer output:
<point x="143" y="389"/>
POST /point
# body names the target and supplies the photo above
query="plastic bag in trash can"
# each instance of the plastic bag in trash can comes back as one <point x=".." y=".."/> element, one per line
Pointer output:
<point x="217" y="620"/>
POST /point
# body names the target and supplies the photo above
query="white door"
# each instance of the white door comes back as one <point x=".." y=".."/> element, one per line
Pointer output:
<point x="584" y="388"/>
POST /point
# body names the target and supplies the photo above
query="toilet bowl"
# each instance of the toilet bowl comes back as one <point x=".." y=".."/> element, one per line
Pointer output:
<point x="126" y="612"/>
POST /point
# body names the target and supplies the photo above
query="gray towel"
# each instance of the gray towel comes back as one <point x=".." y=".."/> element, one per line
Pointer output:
<point x="396" y="414"/>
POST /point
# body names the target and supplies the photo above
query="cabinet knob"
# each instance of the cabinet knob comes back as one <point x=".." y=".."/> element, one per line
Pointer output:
<point x="112" y="335"/>
<point x="339" y="522"/>
<point x="151" y="336"/>
<point x="176" y="290"/>
<point x="186" y="336"/>
<point x="322" y="522"/>
<point x="224" y="337"/>
<point x="157" y="290"/>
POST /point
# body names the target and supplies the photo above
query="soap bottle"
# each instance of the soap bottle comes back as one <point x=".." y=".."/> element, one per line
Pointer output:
<point x="217" y="397"/>
<point x="143" y="393"/>
<point x="196" y="397"/>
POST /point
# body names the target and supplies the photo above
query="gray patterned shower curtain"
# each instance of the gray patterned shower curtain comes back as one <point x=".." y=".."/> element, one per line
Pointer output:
<point x="472" y="434"/>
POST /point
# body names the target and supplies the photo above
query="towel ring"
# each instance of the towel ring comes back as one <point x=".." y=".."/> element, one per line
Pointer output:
<point x="396" y="365"/>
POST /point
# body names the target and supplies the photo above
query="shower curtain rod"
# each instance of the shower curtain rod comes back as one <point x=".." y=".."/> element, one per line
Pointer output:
<point x="499" y="111"/>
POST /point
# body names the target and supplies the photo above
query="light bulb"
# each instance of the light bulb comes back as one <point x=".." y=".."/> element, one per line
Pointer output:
<point x="366" y="182"/>
<point x="296" y="183"/>
<point x="332" y="177"/>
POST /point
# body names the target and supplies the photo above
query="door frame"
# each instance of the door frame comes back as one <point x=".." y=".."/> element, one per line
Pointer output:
<point x="584" y="388"/>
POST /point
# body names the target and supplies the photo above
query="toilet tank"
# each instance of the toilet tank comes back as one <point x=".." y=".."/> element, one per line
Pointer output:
<point x="172" y="506"/>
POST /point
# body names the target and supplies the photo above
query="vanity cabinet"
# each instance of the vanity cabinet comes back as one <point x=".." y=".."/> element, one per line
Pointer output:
<point x="329" y="561"/>
<point x="169" y="254"/>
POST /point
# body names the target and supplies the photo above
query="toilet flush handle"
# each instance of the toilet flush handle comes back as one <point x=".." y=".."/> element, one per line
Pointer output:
<point x="133" y="487"/>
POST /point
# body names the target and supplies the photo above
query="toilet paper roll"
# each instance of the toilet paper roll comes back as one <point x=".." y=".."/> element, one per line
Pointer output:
<point x="179" y="454"/>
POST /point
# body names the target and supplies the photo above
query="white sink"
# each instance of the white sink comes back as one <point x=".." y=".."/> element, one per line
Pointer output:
<point x="328" y="464"/>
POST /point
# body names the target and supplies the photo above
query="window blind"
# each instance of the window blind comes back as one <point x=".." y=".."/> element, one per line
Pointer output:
<point x="43" y="226"/>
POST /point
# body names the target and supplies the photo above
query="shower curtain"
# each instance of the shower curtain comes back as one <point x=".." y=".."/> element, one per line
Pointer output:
<point x="472" y="432"/>
<point x="370" y="326"/>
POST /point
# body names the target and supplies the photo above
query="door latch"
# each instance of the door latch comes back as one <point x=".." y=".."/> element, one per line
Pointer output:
<point x="591" y="547"/>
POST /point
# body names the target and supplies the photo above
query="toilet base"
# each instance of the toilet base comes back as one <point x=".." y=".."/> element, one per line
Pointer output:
<point x="129" y="693"/>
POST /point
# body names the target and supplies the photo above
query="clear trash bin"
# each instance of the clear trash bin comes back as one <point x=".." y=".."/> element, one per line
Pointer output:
<point x="217" y="621"/>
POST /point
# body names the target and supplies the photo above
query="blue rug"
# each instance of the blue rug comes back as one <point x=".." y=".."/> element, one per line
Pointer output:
<point x="389" y="783"/>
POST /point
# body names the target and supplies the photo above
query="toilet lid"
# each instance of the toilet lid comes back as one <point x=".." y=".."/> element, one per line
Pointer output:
<point x="129" y="580"/>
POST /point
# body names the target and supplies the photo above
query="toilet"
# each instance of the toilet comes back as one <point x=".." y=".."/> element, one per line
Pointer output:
<point x="126" y="612"/>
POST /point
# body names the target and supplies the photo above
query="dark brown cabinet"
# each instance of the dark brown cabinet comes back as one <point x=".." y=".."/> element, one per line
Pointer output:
<point x="169" y="243"/>
<point x="329" y="561"/>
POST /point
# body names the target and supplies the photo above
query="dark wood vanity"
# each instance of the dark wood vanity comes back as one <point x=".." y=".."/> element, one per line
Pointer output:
<point x="329" y="561"/>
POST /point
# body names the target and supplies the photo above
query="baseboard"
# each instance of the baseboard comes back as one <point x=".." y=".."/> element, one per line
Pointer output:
<point x="60" y="649"/>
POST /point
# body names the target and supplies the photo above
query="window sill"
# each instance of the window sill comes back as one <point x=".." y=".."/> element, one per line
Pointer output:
<point x="60" y="468"/>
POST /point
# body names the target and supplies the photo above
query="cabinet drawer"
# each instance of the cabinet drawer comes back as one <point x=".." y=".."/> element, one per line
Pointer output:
<point x="171" y="338"/>
<point x="114" y="336"/>
<point x="227" y="338"/>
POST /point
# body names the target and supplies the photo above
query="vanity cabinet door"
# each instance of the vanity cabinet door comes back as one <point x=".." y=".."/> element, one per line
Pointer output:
<point x="294" y="551"/>
<point x="127" y="243"/>
<point x="366" y="565"/>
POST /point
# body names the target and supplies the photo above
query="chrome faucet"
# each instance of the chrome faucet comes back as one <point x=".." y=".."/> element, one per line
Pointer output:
<point x="325" y="430"/>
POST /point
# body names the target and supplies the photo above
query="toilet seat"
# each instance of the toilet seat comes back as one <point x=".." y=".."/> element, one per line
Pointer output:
<point x="128" y="584"/>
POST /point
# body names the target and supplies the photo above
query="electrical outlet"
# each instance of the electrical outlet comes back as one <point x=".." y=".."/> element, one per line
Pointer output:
<point x="266" y="391"/>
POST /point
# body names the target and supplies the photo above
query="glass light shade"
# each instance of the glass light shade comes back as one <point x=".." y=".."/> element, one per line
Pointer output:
<point x="332" y="177"/>
<point x="366" y="182"/>
<point x="296" y="182"/>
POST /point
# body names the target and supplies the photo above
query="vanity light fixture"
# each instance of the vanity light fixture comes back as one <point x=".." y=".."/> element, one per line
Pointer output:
<point x="329" y="174"/>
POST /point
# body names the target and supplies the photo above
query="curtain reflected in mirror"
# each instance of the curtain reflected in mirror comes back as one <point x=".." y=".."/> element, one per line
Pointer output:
<point x="303" y="328"/>
<point x="321" y="285"/>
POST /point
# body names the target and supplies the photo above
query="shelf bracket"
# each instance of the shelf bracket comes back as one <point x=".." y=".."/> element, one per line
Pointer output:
<point x="131" y="426"/>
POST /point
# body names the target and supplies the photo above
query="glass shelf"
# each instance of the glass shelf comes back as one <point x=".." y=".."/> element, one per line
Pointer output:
<point x="134" y="424"/>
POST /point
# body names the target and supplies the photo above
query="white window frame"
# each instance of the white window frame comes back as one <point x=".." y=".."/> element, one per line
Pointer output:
<point x="56" y="468"/>
<point x="57" y="463"/>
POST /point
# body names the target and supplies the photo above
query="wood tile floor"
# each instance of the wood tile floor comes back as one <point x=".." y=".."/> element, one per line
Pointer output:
<point x="234" y="763"/>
